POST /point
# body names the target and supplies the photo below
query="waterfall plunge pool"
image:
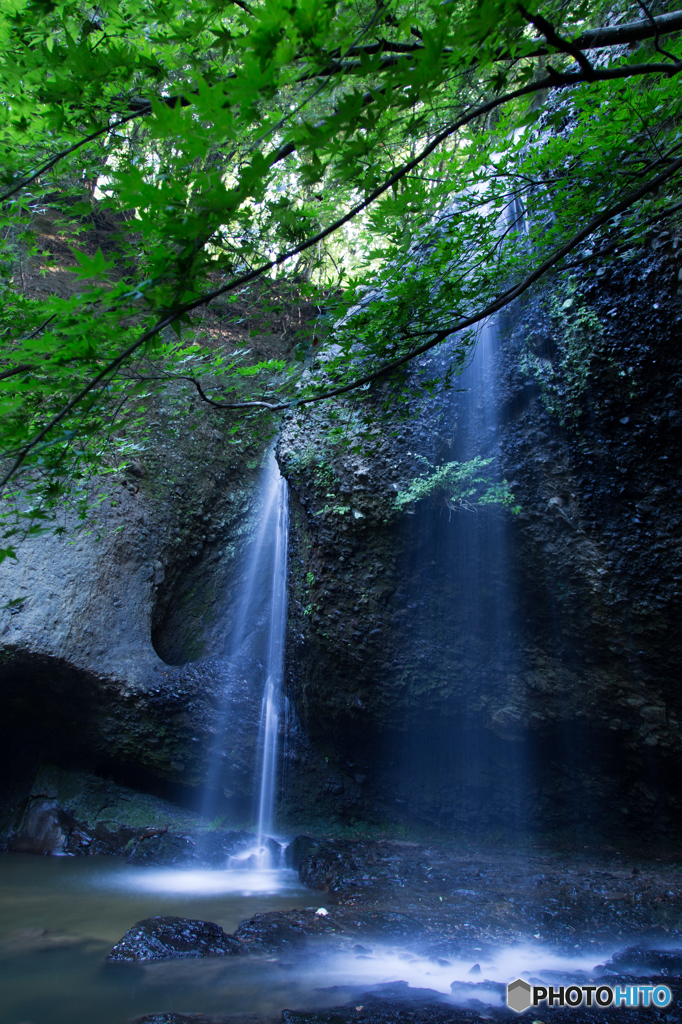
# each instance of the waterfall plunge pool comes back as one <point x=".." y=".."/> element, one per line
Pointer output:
<point x="59" y="917"/>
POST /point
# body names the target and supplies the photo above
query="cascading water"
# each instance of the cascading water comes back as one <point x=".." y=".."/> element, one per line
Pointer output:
<point x="274" y="661"/>
<point x="256" y="640"/>
<point x="484" y="563"/>
<point x="457" y="764"/>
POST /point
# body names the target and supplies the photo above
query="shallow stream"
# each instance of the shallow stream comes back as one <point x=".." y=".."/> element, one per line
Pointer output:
<point x="59" y="916"/>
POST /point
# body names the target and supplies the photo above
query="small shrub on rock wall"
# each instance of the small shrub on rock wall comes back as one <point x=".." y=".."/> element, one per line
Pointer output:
<point x="459" y="486"/>
<point x="581" y="351"/>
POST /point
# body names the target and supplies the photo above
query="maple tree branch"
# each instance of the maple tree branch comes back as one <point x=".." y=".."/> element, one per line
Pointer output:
<point x="555" y="40"/>
<point x="493" y="307"/>
<point x="612" y="35"/>
<point x="553" y="81"/>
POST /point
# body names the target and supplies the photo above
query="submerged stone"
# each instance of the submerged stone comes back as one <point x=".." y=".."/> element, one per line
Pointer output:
<point x="283" y="929"/>
<point x="206" y="849"/>
<point x="165" y="938"/>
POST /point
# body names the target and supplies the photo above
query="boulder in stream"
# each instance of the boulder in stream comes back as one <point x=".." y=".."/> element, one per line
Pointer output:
<point x="42" y="830"/>
<point x="196" y="849"/>
<point x="641" y="959"/>
<point x="166" y="938"/>
<point x="283" y="929"/>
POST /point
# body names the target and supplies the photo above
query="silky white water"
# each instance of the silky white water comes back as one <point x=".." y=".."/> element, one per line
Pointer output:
<point x="208" y="881"/>
<point x="460" y="766"/>
<point x="257" y="634"/>
<point x="268" y="738"/>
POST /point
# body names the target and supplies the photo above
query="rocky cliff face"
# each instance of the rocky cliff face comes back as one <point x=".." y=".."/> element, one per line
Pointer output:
<point x="111" y="657"/>
<point x="476" y="670"/>
<point x="488" y="671"/>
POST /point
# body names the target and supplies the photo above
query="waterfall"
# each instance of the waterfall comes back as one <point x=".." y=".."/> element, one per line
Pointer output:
<point x="268" y="733"/>
<point x="256" y="639"/>
<point x="464" y="764"/>
<point x="484" y="564"/>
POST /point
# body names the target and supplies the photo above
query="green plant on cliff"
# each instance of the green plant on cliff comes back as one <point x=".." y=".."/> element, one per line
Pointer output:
<point x="335" y="509"/>
<point x="381" y="152"/>
<point x="459" y="486"/>
<point x="578" y="335"/>
<point x="581" y="348"/>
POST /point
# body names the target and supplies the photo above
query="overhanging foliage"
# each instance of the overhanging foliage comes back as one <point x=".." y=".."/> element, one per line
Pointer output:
<point x="445" y="155"/>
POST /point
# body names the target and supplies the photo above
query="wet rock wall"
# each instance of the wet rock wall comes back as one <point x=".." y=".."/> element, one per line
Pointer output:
<point x="477" y="671"/>
<point x="422" y="697"/>
<point x="111" y="652"/>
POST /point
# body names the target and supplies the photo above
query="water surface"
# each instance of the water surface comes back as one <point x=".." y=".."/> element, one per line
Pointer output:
<point x="59" y="917"/>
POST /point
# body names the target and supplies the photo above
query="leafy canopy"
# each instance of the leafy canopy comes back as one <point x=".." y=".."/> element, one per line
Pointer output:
<point x="423" y="163"/>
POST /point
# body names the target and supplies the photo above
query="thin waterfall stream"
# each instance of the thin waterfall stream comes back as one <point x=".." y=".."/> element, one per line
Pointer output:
<point x="268" y="734"/>
<point x="258" y="630"/>
<point x="458" y="763"/>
